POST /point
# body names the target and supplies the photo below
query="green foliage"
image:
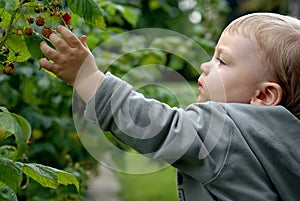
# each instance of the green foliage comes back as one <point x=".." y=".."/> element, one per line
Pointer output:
<point x="20" y="37"/>
<point x="13" y="124"/>
<point x="88" y="10"/>
<point x="12" y="171"/>
<point x="150" y="187"/>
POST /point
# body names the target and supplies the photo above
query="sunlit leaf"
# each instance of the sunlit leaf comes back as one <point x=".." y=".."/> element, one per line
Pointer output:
<point x="89" y="10"/>
<point x="42" y="174"/>
<point x="18" y="48"/>
<point x="66" y="178"/>
<point x="48" y="176"/>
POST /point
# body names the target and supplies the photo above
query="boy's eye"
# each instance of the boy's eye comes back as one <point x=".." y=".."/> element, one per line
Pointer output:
<point x="221" y="62"/>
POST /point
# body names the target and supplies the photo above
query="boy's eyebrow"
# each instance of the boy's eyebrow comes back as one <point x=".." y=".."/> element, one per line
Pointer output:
<point x="224" y="51"/>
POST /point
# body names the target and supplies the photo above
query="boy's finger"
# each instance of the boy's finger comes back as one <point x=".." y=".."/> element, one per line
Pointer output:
<point x="70" y="38"/>
<point x="83" y="41"/>
<point x="49" y="52"/>
<point x="50" y="66"/>
<point x="58" y="42"/>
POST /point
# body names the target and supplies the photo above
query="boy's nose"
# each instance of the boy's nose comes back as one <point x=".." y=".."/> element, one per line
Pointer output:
<point x="205" y="68"/>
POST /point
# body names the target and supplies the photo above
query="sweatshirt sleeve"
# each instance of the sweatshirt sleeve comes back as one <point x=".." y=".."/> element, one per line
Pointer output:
<point x="195" y="140"/>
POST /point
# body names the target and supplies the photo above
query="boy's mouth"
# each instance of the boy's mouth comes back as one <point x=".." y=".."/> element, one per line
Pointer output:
<point x="200" y="86"/>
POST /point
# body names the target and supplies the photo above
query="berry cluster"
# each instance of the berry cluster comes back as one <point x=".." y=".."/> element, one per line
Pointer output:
<point x="40" y="17"/>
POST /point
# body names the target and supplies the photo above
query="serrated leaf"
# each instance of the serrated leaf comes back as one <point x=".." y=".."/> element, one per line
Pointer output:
<point x="48" y="176"/>
<point x="66" y="178"/>
<point x="18" y="45"/>
<point x="42" y="174"/>
<point x="7" y="194"/>
<point x="89" y="10"/>
<point x="11" y="173"/>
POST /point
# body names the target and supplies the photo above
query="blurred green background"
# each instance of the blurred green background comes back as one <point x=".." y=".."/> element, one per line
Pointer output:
<point x="46" y="102"/>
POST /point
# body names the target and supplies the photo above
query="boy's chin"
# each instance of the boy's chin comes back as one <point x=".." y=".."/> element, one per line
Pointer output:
<point x="201" y="99"/>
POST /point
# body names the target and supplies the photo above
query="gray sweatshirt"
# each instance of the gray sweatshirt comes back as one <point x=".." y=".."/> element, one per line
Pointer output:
<point x="222" y="151"/>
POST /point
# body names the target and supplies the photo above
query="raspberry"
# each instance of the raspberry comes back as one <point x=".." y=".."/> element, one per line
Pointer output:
<point x="40" y="21"/>
<point x="46" y="32"/>
<point x="8" y="70"/>
<point x="11" y="64"/>
<point x="28" y="31"/>
<point x="67" y="18"/>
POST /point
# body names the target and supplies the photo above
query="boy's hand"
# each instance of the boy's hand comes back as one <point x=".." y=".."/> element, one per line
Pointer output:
<point x="68" y="57"/>
<point x="72" y="61"/>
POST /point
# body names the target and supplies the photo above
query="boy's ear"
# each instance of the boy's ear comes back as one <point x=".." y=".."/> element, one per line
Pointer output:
<point x="269" y="94"/>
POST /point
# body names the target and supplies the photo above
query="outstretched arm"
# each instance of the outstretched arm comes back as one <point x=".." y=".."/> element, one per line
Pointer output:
<point x="72" y="62"/>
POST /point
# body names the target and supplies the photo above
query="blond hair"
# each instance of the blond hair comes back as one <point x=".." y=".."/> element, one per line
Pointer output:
<point x="278" y="36"/>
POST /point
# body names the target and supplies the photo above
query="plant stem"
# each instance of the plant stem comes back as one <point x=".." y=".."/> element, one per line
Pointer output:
<point x="10" y="25"/>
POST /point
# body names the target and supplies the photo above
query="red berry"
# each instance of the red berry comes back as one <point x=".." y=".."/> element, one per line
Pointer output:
<point x="40" y="21"/>
<point x="8" y="70"/>
<point x="28" y="31"/>
<point x="67" y="18"/>
<point x="12" y="65"/>
<point x="46" y="31"/>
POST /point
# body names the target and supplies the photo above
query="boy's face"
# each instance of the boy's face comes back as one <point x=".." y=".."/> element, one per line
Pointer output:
<point x="234" y="73"/>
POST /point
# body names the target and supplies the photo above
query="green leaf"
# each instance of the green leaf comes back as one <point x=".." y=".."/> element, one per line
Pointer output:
<point x="18" y="126"/>
<point x="66" y="178"/>
<point x="2" y="3"/>
<point x="11" y="173"/>
<point x="17" y="45"/>
<point x="26" y="128"/>
<point x="130" y="14"/>
<point x="33" y="45"/>
<point x="5" y="18"/>
<point x="7" y="194"/>
<point x="89" y="10"/>
<point x="48" y="176"/>
<point x="8" y="151"/>
<point x="42" y="174"/>
<point x="10" y="5"/>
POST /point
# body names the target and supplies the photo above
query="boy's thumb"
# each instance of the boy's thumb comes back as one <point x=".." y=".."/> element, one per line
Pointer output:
<point x="83" y="40"/>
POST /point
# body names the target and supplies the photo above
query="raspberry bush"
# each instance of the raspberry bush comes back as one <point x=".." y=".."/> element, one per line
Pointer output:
<point x="25" y="23"/>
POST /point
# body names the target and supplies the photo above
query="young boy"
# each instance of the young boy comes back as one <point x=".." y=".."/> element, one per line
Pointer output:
<point x="240" y="142"/>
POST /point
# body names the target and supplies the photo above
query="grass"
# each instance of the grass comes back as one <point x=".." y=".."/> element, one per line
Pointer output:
<point x="158" y="186"/>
